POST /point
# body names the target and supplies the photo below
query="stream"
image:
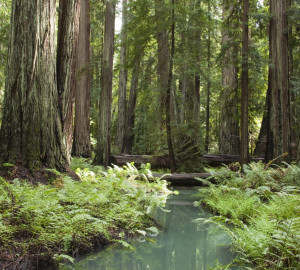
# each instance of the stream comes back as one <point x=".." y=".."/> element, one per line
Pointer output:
<point x="182" y="245"/>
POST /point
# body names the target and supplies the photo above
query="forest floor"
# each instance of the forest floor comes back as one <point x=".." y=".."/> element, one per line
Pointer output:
<point x="54" y="223"/>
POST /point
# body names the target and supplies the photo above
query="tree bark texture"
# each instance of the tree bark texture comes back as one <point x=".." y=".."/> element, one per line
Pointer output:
<point x="163" y="53"/>
<point x="278" y="139"/>
<point x="31" y="132"/>
<point x="81" y="139"/>
<point x="104" y="136"/>
<point x="122" y="80"/>
<point x="244" y="86"/>
<point x="229" y="130"/>
<point x="68" y="29"/>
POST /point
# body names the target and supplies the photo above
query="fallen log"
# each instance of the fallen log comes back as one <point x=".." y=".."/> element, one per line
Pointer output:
<point x="219" y="160"/>
<point x="155" y="161"/>
<point x="164" y="161"/>
<point x="186" y="179"/>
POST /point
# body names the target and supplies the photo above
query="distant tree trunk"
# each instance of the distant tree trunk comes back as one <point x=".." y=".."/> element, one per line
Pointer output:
<point x="244" y="85"/>
<point x="31" y="132"/>
<point x="81" y="140"/>
<point x="68" y="29"/>
<point x="196" y="105"/>
<point x="183" y="81"/>
<point x="260" y="147"/>
<point x="168" y="96"/>
<point x="278" y="139"/>
<point x="163" y="52"/>
<point x="207" y="126"/>
<point x="103" y="144"/>
<point x="129" y="135"/>
<point x="122" y="80"/>
<point x="229" y="133"/>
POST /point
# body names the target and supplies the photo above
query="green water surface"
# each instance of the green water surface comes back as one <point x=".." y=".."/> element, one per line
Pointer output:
<point x="182" y="244"/>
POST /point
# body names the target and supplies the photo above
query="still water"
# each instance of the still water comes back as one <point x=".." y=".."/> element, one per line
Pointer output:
<point x="182" y="245"/>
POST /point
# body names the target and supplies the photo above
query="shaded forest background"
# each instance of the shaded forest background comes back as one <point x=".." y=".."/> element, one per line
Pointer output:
<point x="171" y="77"/>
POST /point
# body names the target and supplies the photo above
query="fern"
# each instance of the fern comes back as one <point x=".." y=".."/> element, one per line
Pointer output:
<point x="75" y="215"/>
<point x="260" y="211"/>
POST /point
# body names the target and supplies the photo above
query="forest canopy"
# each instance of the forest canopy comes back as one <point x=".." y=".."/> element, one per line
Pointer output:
<point x="173" y="78"/>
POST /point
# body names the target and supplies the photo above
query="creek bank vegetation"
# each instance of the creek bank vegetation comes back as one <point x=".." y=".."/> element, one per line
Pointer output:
<point x="260" y="210"/>
<point x="42" y="225"/>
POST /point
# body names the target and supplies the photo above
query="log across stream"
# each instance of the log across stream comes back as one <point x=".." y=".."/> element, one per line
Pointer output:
<point x="164" y="161"/>
<point x="184" y="179"/>
<point x="177" y="179"/>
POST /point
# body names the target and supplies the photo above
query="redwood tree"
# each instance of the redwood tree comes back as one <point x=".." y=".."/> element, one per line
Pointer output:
<point x="229" y="130"/>
<point x="68" y="28"/>
<point x="278" y="136"/>
<point x="244" y="85"/>
<point x="81" y="139"/>
<point x="31" y="132"/>
<point x="104" y="137"/>
<point x="122" y="80"/>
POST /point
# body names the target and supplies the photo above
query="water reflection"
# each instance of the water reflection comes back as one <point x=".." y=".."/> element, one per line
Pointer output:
<point x="183" y="245"/>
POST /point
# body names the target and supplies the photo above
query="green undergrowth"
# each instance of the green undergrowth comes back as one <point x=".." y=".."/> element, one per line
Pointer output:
<point x="57" y="222"/>
<point x="260" y="210"/>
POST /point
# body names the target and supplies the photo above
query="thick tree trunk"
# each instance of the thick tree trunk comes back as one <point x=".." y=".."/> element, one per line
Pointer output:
<point x="278" y="139"/>
<point x="103" y="144"/>
<point x="31" y="132"/>
<point x="81" y="140"/>
<point x="68" y="29"/>
<point x="122" y="81"/>
<point x="244" y="86"/>
<point x="229" y="132"/>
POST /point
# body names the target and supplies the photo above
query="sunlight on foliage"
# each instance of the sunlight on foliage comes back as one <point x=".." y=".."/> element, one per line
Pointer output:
<point x="62" y="219"/>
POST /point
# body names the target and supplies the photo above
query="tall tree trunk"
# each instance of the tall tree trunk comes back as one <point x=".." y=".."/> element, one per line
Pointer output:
<point x="163" y="53"/>
<point x="129" y="135"/>
<point x="31" y="132"/>
<point x="207" y="126"/>
<point x="81" y="140"/>
<point x="229" y="133"/>
<point x="196" y="98"/>
<point x="103" y="144"/>
<point x="68" y="29"/>
<point x="168" y="96"/>
<point x="278" y="139"/>
<point x="244" y="85"/>
<point x="122" y="80"/>
<point x="292" y="93"/>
